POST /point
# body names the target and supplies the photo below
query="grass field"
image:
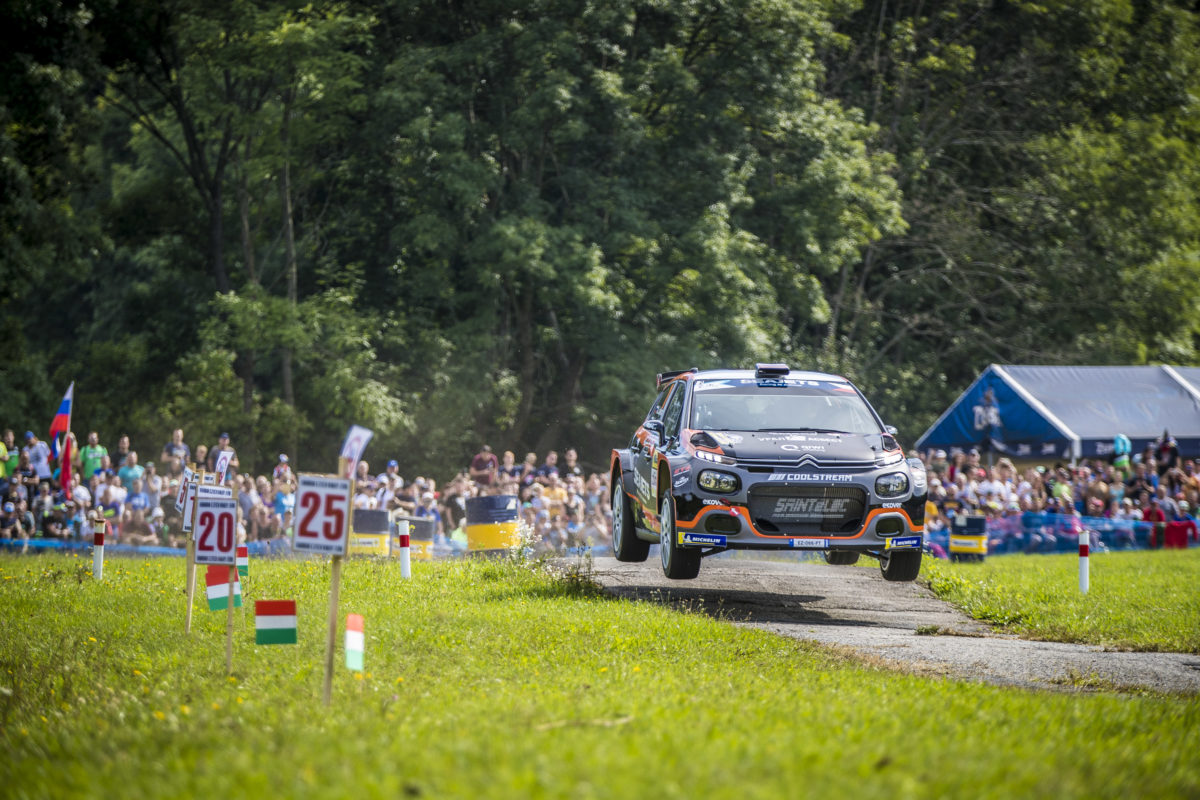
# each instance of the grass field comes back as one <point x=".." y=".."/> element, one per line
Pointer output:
<point x="1138" y="600"/>
<point x="493" y="680"/>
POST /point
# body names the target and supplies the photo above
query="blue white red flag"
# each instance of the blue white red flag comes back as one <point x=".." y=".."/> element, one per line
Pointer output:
<point x="62" y="420"/>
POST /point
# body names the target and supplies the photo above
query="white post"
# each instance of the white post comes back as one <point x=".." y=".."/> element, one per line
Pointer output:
<point x="98" y="527"/>
<point x="1084" y="578"/>
<point x="405" y="552"/>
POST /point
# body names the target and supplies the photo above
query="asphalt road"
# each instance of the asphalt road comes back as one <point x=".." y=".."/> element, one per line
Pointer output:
<point x="854" y="607"/>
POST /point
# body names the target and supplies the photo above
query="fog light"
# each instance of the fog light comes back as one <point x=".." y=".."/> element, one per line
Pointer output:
<point x="893" y="484"/>
<point x="716" y="481"/>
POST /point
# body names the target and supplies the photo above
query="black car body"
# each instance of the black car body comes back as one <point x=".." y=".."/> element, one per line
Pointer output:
<point x="767" y="459"/>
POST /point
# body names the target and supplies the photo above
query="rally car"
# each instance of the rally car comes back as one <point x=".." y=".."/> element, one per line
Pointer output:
<point x="766" y="459"/>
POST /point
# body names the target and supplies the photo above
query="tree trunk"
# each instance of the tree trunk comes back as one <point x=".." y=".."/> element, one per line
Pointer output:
<point x="289" y="244"/>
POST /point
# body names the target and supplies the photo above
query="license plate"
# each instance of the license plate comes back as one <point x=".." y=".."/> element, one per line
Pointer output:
<point x="812" y="544"/>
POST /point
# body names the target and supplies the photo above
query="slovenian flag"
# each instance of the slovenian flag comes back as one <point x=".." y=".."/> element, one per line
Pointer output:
<point x="354" y="642"/>
<point x="216" y="580"/>
<point x="274" y="621"/>
<point x="243" y="561"/>
<point x="62" y="420"/>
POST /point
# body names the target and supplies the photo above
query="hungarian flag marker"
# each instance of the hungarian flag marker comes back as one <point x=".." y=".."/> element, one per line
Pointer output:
<point x="217" y="581"/>
<point x="354" y="642"/>
<point x="243" y="562"/>
<point x="274" y="621"/>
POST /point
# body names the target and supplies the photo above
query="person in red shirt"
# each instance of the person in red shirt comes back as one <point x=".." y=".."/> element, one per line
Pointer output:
<point x="484" y="466"/>
<point x="1155" y="515"/>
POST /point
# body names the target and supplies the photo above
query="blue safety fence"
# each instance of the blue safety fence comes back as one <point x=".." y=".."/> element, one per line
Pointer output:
<point x="1039" y="532"/>
<point x="271" y="547"/>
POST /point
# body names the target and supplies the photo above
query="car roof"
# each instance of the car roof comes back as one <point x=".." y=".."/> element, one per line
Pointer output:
<point x="731" y="374"/>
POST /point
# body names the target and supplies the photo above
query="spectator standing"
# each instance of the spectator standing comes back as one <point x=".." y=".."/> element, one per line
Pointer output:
<point x="175" y="454"/>
<point x="91" y="455"/>
<point x="427" y="510"/>
<point x="529" y="469"/>
<point x="202" y="456"/>
<point x="154" y="483"/>
<point x="484" y="466"/>
<point x="509" y="470"/>
<point x="571" y="464"/>
<point x="123" y="449"/>
<point x="283" y="470"/>
<point x="223" y="446"/>
<point x="131" y="471"/>
<point x="549" y="468"/>
<point x="39" y="456"/>
<point x="11" y="454"/>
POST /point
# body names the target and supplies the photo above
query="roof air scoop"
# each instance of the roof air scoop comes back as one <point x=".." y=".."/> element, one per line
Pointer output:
<point x="770" y="370"/>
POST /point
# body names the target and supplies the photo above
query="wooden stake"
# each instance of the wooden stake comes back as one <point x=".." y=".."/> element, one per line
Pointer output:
<point x="191" y="559"/>
<point x="229" y="623"/>
<point x="335" y="582"/>
<point x="191" y="581"/>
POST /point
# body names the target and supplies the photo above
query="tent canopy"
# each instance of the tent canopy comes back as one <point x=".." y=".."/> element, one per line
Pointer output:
<point x="1071" y="412"/>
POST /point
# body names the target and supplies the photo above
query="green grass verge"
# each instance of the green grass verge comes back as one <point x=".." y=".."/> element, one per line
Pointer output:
<point x="1139" y="600"/>
<point x="493" y="680"/>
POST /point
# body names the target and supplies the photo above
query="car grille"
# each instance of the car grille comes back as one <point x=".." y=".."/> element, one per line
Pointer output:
<point x="786" y="509"/>
<point x="806" y="461"/>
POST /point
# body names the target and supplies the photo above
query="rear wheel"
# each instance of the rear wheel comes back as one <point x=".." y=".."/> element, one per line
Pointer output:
<point x="903" y="565"/>
<point x="678" y="563"/>
<point x="626" y="544"/>
<point x="841" y="558"/>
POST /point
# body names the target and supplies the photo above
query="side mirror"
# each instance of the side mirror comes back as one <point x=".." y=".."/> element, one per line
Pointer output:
<point x="892" y="429"/>
<point x="656" y="427"/>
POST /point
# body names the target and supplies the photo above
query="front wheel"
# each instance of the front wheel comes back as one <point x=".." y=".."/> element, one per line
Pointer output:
<point x="678" y="563"/>
<point x="904" y="565"/>
<point x="626" y="544"/>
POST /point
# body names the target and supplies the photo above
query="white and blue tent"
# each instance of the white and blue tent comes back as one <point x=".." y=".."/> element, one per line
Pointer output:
<point x="1071" y="412"/>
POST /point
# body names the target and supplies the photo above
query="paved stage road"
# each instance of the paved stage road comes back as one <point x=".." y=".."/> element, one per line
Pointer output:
<point x="856" y="608"/>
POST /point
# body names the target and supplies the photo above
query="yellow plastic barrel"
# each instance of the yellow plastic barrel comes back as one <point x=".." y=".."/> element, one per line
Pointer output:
<point x="421" y="531"/>
<point x="968" y="538"/>
<point x="492" y="522"/>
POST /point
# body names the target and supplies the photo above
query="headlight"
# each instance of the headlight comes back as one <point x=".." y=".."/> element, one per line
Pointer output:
<point x="893" y="484"/>
<point x="887" y="459"/>
<point x="707" y="456"/>
<point x="716" y="481"/>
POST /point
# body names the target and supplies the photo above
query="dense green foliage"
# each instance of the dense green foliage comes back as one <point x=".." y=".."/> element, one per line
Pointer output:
<point x="1136" y="600"/>
<point x="492" y="680"/>
<point x="467" y="221"/>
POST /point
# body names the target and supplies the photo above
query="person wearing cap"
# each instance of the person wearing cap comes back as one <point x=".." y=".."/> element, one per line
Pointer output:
<point x="283" y="470"/>
<point x="39" y="456"/>
<point x="222" y="446"/>
<point x="10" y="523"/>
<point x="426" y="508"/>
<point x="391" y="471"/>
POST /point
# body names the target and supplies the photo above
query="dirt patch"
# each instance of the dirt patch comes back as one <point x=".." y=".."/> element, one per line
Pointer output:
<point x="901" y="625"/>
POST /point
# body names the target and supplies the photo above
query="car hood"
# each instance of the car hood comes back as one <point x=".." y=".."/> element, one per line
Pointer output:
<point x="789" y="445"/>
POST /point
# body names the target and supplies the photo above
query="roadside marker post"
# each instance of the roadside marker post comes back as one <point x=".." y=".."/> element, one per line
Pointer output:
<point x="1084" y="577"/>
<point x="405" y="552"/>
<point x="354" y="642"/>
<point x="98" y="526"/>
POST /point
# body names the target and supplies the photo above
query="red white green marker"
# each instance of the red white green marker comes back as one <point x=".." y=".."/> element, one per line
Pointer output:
<point x="243" y="562"/>
<point x="274" y="621"/>
<point x="216" y="580"/>
<point x="354" y="642"/>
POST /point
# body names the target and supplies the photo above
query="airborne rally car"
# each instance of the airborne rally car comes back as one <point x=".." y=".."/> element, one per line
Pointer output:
<point x="766" y="459"/>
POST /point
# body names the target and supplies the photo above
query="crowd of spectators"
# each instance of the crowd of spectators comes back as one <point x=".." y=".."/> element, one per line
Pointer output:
<point x="561" y="505"/>
<point x="1146" y="500"/>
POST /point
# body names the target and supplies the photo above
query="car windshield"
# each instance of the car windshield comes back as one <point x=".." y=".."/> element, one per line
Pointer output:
<point x="780" y="404"/>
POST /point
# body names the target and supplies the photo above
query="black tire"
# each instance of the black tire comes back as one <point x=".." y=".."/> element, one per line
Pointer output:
<point x="903" y="565"/>
<point x="678" y="563"/>
<point x="626" y="544"/>
<point x="841" y="558"/>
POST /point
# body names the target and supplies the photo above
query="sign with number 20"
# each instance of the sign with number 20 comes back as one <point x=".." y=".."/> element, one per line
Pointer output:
<point x="322" y="515"/>
<point x="216" y="531"/>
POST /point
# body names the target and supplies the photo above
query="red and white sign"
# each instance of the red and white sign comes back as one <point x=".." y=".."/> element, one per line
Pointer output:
<point x="216" y="530"/>
<point x="188" y="477"/>
<point x="223" y="459"/>
<point x="322" y="515"/>
<point x="352" y="449"/>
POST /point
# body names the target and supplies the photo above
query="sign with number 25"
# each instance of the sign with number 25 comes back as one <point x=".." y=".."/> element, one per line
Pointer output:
<point x="322" y="515"/>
